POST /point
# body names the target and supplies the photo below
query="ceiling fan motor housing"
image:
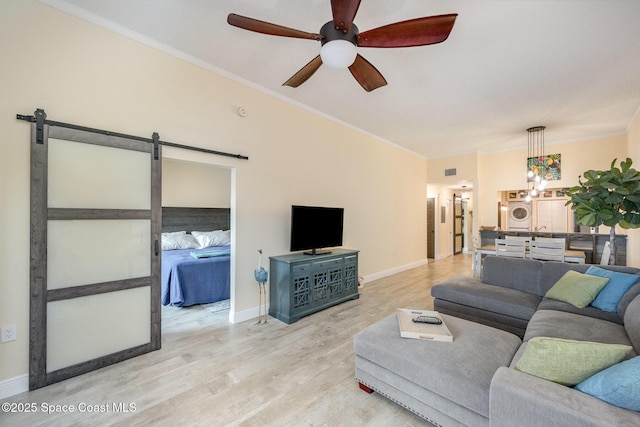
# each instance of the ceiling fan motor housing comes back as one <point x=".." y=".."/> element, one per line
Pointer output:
<point x="330" y="33"/>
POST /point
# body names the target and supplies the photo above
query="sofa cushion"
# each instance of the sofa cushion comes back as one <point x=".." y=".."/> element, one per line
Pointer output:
<point x="632" y="322"/>
<point x="618" y="384"/>
<point x="497" y="299"/>
<point x="576" y="288"/>
<point x="627" y="298"/>
<point x="521" y="274"/>
<point x="551" y="304"/>
<point x="568" y="362"/>
<point x="519" y="399"/>
<point x="619" y="283"/>
<point x="559" y="324"/>
<point x="485" y="317"/>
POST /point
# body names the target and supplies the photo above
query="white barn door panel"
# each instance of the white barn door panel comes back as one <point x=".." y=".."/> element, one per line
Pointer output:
<point x="95" y="265"/>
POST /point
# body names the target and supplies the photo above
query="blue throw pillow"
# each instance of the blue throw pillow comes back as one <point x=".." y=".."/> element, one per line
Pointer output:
<point x="618" y="385"/>
<point x="612" y="293"/>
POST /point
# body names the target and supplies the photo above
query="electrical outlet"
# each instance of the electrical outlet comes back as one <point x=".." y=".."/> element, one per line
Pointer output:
<point x="8" y="333"/>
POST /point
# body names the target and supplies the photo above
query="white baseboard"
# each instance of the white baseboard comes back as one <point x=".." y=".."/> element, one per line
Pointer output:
<point x="12" y="386"/>
<point x="252" y="313"/>
<point x="244" y="315"/>
<point x="400" y="269"/>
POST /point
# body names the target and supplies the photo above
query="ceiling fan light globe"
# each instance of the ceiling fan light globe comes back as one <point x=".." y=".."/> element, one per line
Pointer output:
<point x="338" y="53"/>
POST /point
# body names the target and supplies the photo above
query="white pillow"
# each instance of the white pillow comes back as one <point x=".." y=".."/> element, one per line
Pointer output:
<point x="178" y="240"/>
<point x="212" y="238"/>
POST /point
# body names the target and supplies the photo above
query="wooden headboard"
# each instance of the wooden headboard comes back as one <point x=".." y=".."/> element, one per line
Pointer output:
<point x="195" y="219"/>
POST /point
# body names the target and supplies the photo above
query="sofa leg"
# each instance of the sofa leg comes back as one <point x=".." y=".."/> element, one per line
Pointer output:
<point x="365" y="388"/>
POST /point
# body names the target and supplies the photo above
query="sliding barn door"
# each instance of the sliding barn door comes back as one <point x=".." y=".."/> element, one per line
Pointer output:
<point x="95" y="261"/>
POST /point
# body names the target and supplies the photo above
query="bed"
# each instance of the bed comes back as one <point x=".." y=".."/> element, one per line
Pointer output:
<point x="192" y="274"/>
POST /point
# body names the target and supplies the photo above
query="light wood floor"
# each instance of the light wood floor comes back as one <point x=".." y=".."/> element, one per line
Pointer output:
<point x="213" y="373"/>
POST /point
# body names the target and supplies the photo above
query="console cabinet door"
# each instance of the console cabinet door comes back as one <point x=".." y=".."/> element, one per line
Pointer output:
<point x="300" y="287"/>
<point x="327" y="281"/>
<point x="350" y="275"/>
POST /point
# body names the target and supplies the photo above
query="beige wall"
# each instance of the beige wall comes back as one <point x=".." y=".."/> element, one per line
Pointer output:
<point x="195" y="185"/>
<point x="466" y="166"/>
<point x="633" y="140"/>
<point x="633" y="151"/>
<point x="506" y="170"/>
<point x="83" y="74"/>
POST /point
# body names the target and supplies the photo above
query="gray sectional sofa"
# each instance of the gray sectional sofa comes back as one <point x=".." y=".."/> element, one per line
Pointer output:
<point x="512" y="290"/>
<point x="473" y="381"/>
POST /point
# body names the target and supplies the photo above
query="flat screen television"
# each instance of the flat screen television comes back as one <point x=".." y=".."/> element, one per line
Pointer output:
<point x="315" y="227"/>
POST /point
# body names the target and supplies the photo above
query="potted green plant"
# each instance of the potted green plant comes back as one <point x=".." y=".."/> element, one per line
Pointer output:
<point x="608" y="197"/>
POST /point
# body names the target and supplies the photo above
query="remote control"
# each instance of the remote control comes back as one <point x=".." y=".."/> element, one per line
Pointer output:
<point x="427" y="319"/>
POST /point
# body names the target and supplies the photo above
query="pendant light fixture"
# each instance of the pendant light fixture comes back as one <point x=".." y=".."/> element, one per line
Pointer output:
<point x="535" y="161"/>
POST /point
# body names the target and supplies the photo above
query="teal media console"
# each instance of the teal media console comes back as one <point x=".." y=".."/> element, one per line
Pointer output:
<point x="304" y="284"/>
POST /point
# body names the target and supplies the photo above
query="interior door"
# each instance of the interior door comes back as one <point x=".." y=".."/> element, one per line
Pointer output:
<point x="458" y="226"/>
<point x="431" y="227"/>
<point x="95" y="259"/>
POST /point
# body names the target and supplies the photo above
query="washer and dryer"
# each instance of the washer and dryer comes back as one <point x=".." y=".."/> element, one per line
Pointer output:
<point x="519" y="216"/>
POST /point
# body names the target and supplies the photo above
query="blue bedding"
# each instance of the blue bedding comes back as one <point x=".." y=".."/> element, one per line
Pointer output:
<point x="187" y="280"/>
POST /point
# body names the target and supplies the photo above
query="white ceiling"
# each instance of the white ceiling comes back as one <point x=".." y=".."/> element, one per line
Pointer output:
<point x="571" y="65"/>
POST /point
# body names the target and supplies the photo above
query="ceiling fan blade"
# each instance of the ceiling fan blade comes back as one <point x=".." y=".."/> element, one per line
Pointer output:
<point x="414" y="32"/>
<point x="366" y="74"/>
<point x="343" y="13"/>
<point x="269" y="28"/>
<point x="305" y="72"/>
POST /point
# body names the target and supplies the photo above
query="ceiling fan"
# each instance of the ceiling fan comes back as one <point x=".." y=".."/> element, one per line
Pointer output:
<point x="340" y="38"/>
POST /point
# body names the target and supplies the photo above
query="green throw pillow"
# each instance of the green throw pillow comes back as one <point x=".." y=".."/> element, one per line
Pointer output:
<point x="576" y="288"/>
<point x="568" y="362"/>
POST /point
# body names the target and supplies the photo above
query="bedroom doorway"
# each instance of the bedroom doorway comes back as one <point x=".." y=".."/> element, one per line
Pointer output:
<point x="196" y="199"/>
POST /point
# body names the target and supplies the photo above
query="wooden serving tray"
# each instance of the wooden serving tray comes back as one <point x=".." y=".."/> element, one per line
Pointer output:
<point x="421" y="331"/>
